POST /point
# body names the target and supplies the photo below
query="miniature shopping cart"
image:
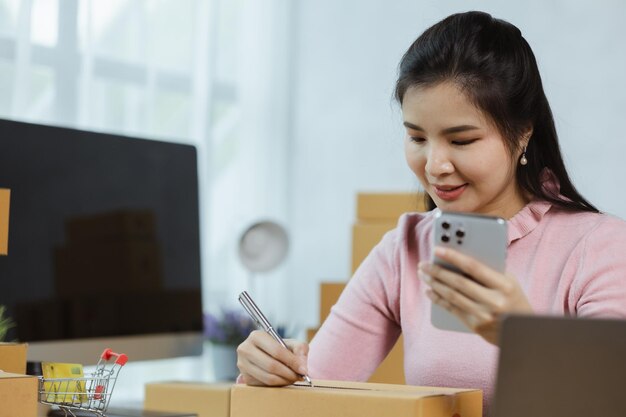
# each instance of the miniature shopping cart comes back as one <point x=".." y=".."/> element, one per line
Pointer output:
<point x="90" y="393"/>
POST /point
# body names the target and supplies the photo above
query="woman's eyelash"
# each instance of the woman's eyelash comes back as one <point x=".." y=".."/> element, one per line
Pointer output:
<point x="419" y="139"/>
<point x="463" y="142"/>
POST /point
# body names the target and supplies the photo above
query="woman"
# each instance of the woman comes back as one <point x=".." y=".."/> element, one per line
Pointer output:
<point x="481" y="139"/>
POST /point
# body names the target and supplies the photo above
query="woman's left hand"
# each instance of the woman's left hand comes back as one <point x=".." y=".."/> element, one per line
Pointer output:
<point x="480" y="302"/>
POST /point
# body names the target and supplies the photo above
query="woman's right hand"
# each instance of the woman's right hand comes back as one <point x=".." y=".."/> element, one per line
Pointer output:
<point x="263" y="361"/>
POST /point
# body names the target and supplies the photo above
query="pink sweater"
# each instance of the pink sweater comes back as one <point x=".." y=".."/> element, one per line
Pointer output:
<point x="567" y="263"/>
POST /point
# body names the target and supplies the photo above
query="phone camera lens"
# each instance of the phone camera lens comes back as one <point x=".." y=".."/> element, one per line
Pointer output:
<point x="460" y="233"/>
<point x="460" y="242"/>
<point x="445" y="238"/>
<point x="445" y="225"/>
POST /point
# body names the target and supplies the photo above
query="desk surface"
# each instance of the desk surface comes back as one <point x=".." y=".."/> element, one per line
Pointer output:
<point x="114" y="412"/>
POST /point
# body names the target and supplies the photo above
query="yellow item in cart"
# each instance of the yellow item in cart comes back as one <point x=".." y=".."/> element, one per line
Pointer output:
<point x="64" y="382"/>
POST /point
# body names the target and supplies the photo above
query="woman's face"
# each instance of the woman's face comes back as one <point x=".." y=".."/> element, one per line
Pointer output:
<point x="458" y="155"/>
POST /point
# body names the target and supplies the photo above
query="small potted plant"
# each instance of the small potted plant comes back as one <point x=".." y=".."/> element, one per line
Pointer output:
<point x="225" y="331"/>
<point x="12" y="354"/>
<point x="5" y="323"/>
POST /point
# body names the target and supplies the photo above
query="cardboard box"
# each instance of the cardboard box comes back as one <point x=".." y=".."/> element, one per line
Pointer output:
<point x="387" y="206"/>
<point x="310" y="333"/>
<point x="112" y="226"/>
<point x="354" y="399"/>
<point x="377" y="213"/>
<point x="329" y="294"/>
<point x="365" y="236"/>
<point x="391" y="370"/>
<point x="13" y="357"/>
<point x="5" y="195"/>
<point x="133" y="265"/>
<point x="18" y="395"/>
<point x="206" y="400"/>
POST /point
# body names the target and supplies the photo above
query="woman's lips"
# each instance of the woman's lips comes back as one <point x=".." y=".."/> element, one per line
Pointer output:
<point x="449" y="192"/>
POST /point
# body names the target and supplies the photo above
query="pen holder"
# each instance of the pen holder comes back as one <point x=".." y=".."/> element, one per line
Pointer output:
<point x="223" y="333"/>
<point x="223" y="360"/>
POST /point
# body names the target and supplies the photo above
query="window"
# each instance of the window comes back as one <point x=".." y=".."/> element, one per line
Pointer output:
<point x="207" y="72"/>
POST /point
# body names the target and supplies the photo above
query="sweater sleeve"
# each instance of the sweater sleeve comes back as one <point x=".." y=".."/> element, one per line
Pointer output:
<point x="599" y="289"/>
<point x="365" y="323"/>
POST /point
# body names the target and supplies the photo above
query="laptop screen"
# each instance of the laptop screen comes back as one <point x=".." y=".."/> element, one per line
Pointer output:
<point x="561" y="367"/>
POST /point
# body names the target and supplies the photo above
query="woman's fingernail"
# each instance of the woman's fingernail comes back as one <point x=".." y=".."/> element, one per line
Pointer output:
<point x="425" y="268"/>
<point x="424" y="277"/>
<point x="439" y="251"/>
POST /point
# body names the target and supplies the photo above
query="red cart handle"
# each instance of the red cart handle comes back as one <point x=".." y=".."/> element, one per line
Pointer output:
<point x="121" y="358"/>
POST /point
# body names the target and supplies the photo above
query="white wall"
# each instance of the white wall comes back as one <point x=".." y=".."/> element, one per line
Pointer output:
<point x="347" y="135"/>
<point x="342" y="133"/>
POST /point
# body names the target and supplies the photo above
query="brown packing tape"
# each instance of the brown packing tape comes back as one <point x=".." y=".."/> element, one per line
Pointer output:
<point x="377" y="387"/>
<point x="5" y="200"/>
<point x="373" y="387"/>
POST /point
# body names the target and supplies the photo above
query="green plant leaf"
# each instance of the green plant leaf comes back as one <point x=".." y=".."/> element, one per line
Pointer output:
<point x="5" y="323"/>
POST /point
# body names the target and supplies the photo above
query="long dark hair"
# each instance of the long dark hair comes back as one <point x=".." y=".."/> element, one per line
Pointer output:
<point x="495" y="67"/>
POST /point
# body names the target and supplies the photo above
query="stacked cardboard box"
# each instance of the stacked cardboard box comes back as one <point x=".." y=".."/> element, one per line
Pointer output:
<point x="377" y="213"/>
<point x="13" y="357"/>
<point x="18" y="392"/>
<point x="5" y="195"/>
<point x="114" y="249"/>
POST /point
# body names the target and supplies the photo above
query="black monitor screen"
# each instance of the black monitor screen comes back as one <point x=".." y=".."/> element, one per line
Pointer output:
<point x="103" y="234"/>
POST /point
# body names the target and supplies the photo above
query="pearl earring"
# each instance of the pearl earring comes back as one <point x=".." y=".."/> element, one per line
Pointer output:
<point x="523" y="161"/>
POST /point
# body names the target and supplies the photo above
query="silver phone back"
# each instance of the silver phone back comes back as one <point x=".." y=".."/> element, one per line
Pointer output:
<point x="481" y="237"/>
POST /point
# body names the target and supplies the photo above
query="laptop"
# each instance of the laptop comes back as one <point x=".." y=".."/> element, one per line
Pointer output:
<point x="561" y="367"/>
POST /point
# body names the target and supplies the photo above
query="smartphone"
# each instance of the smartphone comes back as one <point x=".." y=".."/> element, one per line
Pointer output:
<point x="481" y="237"/>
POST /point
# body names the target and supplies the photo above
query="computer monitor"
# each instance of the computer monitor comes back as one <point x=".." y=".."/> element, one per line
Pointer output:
<point x="104" y="247"/>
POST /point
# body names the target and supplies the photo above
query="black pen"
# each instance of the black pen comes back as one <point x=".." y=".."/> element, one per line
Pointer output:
<point x="253" y="310"/>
